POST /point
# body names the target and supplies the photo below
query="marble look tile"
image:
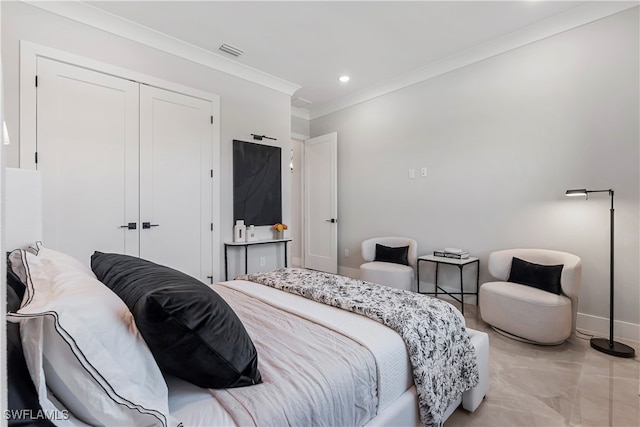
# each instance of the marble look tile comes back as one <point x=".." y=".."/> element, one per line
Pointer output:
<point x="565" y="385"/>
<point x="606" y="401"/>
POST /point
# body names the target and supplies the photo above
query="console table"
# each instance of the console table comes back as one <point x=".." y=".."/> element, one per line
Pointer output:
<point x="451" y="261"/>
<point x="246" y="256"/>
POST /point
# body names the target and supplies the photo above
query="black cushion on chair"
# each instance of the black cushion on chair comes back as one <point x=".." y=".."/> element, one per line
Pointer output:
<point x="396" y="255"/>
<point x="544" y="277"/>
<point x="191" y="331"/>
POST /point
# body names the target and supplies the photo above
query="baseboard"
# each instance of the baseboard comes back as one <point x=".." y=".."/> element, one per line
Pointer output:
<point x="296" y="262"/>
<point x="600" y="326"/>
<point x="354" y="273"/>
<point x="584" y="322"/>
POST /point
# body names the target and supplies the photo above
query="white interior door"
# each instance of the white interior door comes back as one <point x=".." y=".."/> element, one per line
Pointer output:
<point x="176" y="155"/>
<point x="87" y="151"/>
<point x="321" y="203"/>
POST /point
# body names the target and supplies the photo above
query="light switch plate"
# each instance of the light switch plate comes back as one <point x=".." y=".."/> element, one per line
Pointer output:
<point x="412" y="173"/>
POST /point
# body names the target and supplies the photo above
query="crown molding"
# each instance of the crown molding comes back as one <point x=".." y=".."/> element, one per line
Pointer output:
<point x="300" y="113"/>
<point x="94" y="17"/>
<point x="570" y="19"/>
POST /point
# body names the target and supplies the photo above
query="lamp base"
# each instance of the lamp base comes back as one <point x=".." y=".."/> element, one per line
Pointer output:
<point x="617" y="349"/>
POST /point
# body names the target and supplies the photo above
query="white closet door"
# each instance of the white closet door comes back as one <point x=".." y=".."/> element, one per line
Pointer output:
<point x="87" y="148"/>
<point x="321" y="203"/>
<point x="176" y="155"/>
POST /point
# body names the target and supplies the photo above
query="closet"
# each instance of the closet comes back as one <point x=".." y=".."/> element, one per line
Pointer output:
<point x="126" y="168"/>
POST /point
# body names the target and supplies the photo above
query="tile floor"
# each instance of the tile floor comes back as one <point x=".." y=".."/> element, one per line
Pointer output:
<point x="547" y="386"/>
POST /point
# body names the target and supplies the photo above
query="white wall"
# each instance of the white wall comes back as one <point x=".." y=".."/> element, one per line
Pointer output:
<point x="3" y="275"/>
<point x="245" y="107"/>
<point x="300" y="130"/>
<point x="297" y="220"/>
<point x="300" y="126"/>
<point x="502" y="139"/>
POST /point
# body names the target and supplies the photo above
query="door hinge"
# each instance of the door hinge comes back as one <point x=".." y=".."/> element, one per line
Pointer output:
<point x="211" y="226"/>
<point x="36" y="81"/>
<point x="211" y="119"/>
<point x="211" y="173"/>
<point x="36" y="156"/>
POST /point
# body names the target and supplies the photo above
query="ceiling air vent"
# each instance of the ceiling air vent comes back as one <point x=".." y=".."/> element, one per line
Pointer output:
<point x="230" y="50"/>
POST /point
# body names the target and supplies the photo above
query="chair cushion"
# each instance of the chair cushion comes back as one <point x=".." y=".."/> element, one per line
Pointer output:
<point x="396" y="255"/>
<point x="544" y="277"/>
<point x="526" y="312"/>
<point x="389" y="274"/>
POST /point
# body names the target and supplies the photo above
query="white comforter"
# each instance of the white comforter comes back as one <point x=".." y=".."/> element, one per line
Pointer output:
<point x="312" y="375"/>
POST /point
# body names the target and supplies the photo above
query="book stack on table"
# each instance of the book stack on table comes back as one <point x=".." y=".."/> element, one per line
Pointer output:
<point x="453" y="253"/>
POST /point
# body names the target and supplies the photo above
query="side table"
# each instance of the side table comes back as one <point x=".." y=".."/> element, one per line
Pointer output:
<point x="451" y="261"/>
<point x="246" y="247"/>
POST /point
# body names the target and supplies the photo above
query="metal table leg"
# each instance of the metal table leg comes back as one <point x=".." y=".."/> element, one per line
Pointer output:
<point x="285" y="254"/>
<point x="461" y="291"/>
<point x="226" y="264"/>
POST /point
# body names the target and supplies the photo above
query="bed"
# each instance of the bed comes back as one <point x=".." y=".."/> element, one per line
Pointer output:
<point x="304" y="362"/>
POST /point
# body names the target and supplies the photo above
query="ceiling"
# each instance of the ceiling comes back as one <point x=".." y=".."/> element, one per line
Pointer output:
<point x="312" y="44"/>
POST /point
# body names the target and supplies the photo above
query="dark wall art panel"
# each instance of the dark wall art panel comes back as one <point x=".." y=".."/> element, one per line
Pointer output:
<point x="257" y="183"/>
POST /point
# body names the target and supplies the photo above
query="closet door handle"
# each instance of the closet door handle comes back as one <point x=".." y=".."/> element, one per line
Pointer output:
<point x="130" y="226"/>
<point x="332" y="220"/>
<point x="149" y="225"/>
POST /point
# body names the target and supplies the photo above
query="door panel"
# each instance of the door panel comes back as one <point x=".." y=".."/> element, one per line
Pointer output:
<point x="321" y="206"/>
<point x="87" y="146"/>
<point x="175" y="183"/>
<point x="114" y="152"/>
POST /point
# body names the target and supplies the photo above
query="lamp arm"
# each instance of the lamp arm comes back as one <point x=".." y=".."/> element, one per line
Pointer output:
<point x="610" y="191"/>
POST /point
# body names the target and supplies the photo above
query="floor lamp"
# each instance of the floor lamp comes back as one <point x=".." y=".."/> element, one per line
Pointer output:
<point x="608" y="346"/>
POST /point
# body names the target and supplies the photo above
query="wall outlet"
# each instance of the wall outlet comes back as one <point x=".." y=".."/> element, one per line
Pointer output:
<point x="346" y="253"/>
<point x="423" y="172"/>
<point x="263" y="261"/>
<point x="412" y="173"/>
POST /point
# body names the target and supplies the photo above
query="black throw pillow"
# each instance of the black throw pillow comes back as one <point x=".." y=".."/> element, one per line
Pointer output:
<point x="545" y="277"/>
<point x="23" y="405"/>
<point x="191" y="331"/>
<point x="396" y="255"/>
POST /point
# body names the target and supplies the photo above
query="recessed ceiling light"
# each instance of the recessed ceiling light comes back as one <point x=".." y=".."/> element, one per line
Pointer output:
<point x="344" y="79"/>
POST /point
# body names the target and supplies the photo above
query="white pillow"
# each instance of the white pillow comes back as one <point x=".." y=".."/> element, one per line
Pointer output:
<point x="80" y="338"/>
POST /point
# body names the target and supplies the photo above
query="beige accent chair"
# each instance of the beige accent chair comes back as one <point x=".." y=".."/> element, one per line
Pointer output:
<point x="527" y="313"/>
<point x="386" y="273"/>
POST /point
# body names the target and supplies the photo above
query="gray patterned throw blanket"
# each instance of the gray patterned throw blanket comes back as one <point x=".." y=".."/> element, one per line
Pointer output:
<point x="442" y="356"/>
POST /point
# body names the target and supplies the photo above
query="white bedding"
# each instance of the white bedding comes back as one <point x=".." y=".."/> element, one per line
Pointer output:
<point x="381" y="353"/>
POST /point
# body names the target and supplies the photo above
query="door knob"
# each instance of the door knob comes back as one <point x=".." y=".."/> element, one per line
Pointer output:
<point x="149" y="225"/>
